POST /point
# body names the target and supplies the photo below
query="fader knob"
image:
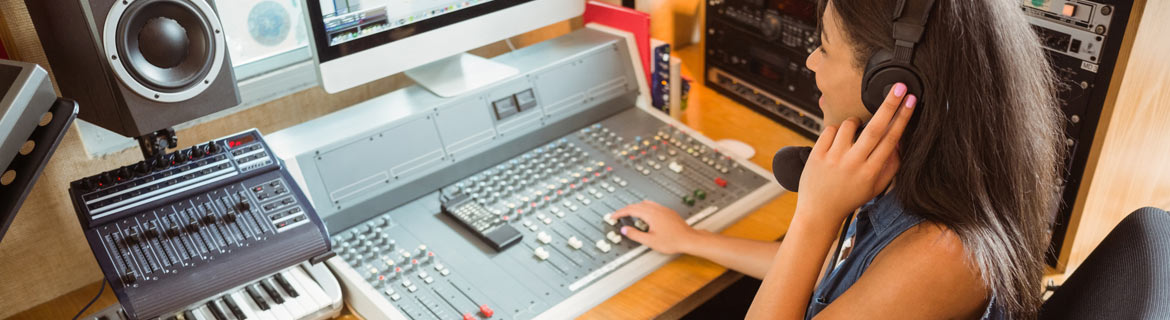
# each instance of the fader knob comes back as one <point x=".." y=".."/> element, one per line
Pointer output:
<point x="131" y="239"/>
<point x="192" y="226"/>
<point x="243" y="206"/>
<point x="209" y="219"/>
<point x="128" y="279"/>
<point x="229" y="217"/>
<point x="150" y="233"/>
<point x="172" y="232"/>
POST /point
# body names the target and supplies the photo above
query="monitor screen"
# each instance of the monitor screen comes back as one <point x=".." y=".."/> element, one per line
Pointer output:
<point x="348" y="26"/>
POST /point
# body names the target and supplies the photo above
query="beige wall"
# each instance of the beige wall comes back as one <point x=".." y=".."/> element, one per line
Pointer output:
<point x="44" y="253"/>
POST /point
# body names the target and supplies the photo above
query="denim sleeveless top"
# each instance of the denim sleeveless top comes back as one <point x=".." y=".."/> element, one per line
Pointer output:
<point x="877" y="224"/>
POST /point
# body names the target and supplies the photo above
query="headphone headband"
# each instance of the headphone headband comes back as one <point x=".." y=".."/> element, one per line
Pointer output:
<point x="909" y="22"/>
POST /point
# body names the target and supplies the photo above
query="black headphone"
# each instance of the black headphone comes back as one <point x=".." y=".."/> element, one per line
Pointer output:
<point x="886" y="68"/>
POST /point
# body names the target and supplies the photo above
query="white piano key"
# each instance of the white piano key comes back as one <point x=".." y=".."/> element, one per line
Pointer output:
<point x="202" y="313"/>
<point x="251" y="310"/>
<point x="299" y="306"/>
<point x="310" y="288"/>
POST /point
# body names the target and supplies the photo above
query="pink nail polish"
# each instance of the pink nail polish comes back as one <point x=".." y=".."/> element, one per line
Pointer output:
<point x="624" y="231"/>
<point x="899" y="89"/>
<point x="910" y="101"/>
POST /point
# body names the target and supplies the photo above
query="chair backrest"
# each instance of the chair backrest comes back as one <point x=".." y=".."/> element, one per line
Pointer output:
<point x="1126" y="277"/>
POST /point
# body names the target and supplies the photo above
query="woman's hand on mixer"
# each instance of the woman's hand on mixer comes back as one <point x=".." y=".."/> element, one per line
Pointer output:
<point x="668" y="233"/>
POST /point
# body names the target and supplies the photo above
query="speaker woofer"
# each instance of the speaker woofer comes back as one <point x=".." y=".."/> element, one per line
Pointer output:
<point x="164" y="50"/>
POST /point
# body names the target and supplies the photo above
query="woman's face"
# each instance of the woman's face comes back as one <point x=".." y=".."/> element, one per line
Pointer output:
<point x="838" y="77"/>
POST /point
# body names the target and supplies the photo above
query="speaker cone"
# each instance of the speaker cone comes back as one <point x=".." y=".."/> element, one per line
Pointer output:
<point x="165" y="50"/>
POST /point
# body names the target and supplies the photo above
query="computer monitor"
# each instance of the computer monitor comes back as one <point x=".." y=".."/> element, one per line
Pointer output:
<point x="358" y="41"/>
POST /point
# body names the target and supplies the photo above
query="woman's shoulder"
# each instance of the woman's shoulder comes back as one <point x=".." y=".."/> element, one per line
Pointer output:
<point x="933" y="257"/>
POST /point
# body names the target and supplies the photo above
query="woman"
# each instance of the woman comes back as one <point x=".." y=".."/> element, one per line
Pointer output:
<point x="953" y="213"/>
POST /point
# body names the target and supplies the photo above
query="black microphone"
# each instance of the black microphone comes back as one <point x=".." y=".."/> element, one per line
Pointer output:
<point x="788" y="164"/>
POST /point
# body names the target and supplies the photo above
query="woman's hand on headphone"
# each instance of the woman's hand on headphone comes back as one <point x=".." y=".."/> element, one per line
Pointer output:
<point x="668" y="232"/>
<point x="841" y="174"/>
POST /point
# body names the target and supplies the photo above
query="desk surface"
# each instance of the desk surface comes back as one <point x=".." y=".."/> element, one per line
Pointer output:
<point x="678" y="286"/>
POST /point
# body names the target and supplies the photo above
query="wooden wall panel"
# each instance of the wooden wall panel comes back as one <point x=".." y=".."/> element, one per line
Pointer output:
<point x="44" y="253"/>
<point x="1130" y="165"/>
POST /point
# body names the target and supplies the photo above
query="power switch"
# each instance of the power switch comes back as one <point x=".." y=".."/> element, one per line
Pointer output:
<point x="505" y="108"/>
<point x="525" y="100"/>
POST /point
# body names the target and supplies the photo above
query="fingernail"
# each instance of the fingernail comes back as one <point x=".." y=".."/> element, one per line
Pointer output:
<point x="899" y="89"/>
<point x="624" y="230"/>
<point x="910" y="101"/>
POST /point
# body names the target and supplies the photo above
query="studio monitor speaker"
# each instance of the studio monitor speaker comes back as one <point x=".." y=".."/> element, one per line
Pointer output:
<point x="137" y="66"/>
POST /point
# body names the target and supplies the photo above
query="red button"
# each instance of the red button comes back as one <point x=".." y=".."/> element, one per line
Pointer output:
<point x="721" y="182"/>
<point x="487" y="312"/>
<point x="468" y="316"/>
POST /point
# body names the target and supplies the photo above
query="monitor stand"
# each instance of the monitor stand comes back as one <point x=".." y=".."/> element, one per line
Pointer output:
<point x="458" y="74"/>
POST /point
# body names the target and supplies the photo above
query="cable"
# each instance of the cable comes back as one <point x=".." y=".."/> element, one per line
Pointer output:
<point x="95" y="298"/>
<point x="509" y="42"/>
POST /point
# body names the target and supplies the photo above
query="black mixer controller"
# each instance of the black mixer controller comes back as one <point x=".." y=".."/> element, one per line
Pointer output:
<point x="171" y="231"/>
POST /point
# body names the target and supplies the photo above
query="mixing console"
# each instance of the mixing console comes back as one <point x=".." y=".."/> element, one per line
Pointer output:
<point x="499" y="203"/>
<point x="171" y="231"/>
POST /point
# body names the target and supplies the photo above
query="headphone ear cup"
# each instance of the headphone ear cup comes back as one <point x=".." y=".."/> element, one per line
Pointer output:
<point x="881" y="73"/>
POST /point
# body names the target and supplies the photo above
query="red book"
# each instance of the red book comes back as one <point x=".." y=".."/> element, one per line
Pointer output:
<point x="626" y="19"/>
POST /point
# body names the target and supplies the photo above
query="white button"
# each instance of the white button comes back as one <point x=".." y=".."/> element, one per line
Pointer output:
<point x="675" y="166"/>
<point x="573" y="208"/>
<point x="526" y="223"/>
<point x="547" y="220"/>
<point x="540" y="216"/>
<point x="613" y="237"/>
<point x="412" y="289"/>
<point x="428" y="280"/>
<point x="541" y="253"/>
<point x="445" y="272"/>
<point x="560" y="214"/>
<point x="533" y="227"/>
<point x="603" y="246"/>
<point x="389" y="291"/>
<point x="574" y="242"/>
<point x="608" y="218"/>
<point x="422" y="274"/>
<point x="395" y="297"/>
<point x="406" y="283"/>
<point x="544" y="237"/>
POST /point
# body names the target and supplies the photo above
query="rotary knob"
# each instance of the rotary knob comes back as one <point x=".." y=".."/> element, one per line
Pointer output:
<point x="182" y="156"/>
<point x="213" y="148"/>
<point x="105" y="179"/>
<point x="124" y="174"/>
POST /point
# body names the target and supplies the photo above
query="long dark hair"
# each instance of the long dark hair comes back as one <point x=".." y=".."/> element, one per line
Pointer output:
<point x="984" y="155"/>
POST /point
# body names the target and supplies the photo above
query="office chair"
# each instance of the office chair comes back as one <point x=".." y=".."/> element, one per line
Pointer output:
<point x="1126" y="277"/>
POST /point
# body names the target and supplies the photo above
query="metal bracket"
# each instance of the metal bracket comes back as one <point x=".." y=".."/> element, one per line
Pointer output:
<point x="28" y="167"/>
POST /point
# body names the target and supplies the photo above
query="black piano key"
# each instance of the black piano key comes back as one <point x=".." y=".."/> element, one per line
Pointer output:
<point x="188" y="315"/>
<point x="288" y="288"/>
<point x="235" y="309"/>
<point x="271" y="292"/>
<point x="215" y="311"/>
<point x="260" y="302"/>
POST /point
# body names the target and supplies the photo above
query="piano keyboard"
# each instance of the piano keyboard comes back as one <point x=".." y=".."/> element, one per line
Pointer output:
<point x="302" y="292"/>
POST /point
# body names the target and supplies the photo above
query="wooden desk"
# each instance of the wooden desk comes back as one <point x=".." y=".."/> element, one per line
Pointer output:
<point x="672" y="290"/>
